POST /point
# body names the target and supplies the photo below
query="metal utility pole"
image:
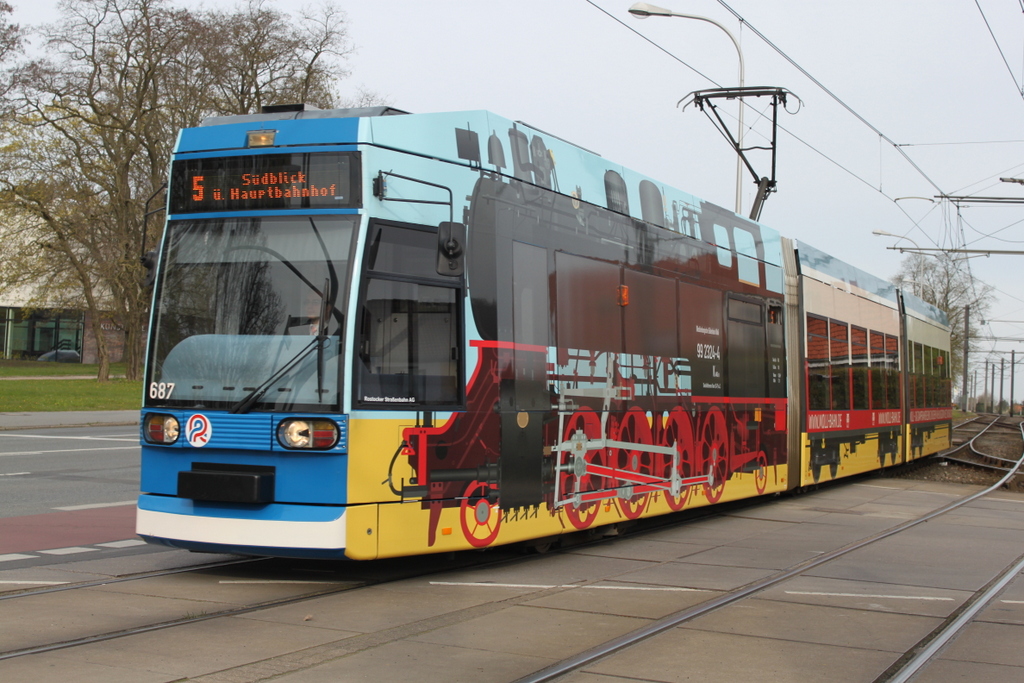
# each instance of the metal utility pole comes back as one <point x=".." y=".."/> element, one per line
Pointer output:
<point x="967" y="332"/>
<point x="1002" y="370"/>
<point x="1013" y="360"/>
<point x="985" y="378"/>
<point x="993" y="385"/>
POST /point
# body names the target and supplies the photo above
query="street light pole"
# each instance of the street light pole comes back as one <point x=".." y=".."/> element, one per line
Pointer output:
<point x="642" y="10"/>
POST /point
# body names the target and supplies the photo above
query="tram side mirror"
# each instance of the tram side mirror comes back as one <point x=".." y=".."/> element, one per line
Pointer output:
<point x="451" y="248"/>
<point x="149" y="263"/>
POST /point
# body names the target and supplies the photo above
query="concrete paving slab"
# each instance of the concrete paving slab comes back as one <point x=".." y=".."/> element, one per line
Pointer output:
<point x="689" y="575"/>
<point x="716" y="531"/>
<point x="944" y="671"/>
<point x="633" y="547"/>
<point x="759" y="558"/>
<point x="819" y="624"/>
<point x="585" y="677"/>
<point x="781" y="512"/>
<point x="202" y="647"/>
<point x="1005" y="610"/>
<point x="219" y="589"/>
<point x="50" y="669"/>
<point x="557" y="569"/>
<point x="30" y="578"/>
<point x="970" y="515"/>
<point x="533" y="631"/>
<point x="154" y="558"/>
<point x="933" y="554"/>
<point x="685" y="655"/>
<point x="84" y="612"/>
<point x="988" y="643"/>
<point x="879" y="597"/>
<point x="624" y="600"/>
<point x="811" y="538"/>
<point x="414" y="662"/>
<point x="378" y="608"/>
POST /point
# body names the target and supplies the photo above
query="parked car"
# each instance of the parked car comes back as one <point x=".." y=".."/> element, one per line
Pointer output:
<point x="62" y="356"/>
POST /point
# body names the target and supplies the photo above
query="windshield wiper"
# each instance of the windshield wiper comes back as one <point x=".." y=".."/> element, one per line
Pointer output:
<point x="250" y="399"/>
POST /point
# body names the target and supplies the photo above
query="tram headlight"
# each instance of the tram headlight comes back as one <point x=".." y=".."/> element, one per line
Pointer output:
<point x="307" y="433"/>
<point x="161" y="428"/>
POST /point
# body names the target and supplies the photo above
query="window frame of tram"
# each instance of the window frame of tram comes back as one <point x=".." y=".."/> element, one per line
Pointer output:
<point x="22" y="331"/>
<point x="845" y="361"/>
<point x="929" y="376"/>
<point x="419" y="315"/>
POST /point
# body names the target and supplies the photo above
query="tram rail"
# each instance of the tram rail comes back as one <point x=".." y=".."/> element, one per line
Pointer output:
<point x="905" y="668"/>
<point x="548" y="674"/>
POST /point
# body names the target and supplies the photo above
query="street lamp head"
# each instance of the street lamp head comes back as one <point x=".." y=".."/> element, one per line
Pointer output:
<point x="642" y="10"/>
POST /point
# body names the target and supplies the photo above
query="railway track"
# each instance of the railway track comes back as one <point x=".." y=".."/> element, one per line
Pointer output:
<point x="325" y="585"/>
<point x="903" y="670"/>
<point x="967" y="451"/>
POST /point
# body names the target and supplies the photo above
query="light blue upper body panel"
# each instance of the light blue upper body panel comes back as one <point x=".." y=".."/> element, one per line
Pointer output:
<point x="477" y="140"/>
<point x="812" y="259"/>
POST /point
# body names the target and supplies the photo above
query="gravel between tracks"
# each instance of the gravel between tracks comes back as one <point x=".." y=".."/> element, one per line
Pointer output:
<point x="1004" y="444"/>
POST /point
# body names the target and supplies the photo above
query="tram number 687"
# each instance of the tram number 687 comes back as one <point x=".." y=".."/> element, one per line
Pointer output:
<point x="160" y="389"/>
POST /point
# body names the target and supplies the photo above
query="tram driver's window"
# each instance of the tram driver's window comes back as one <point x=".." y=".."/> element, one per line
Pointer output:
<point x="724" y="246"/>
<point x="408" y="345"/>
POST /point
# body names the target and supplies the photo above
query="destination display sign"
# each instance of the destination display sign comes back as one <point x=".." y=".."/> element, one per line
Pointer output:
<point x="322" y="180"/>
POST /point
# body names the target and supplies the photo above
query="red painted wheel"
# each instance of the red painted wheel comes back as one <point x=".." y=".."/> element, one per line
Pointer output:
<point x="714" y="454"/>
<point x="480" y="520"/>
<point x="586" y="421"/>
<point x="761" y="473"/>
<point x="634" y="429"/>
<point x="678" y="433"/>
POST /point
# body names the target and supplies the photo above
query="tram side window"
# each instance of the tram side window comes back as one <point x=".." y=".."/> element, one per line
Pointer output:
<point x="878" y="371"/>
<point x="746" y="257"/>
<point x="839" y="350"/>
<point x="892" y="383"/>
<point x="724" y="246"/>
<point x="408" y="345"/>
<point x="818" y="372"/>
<point x="917" y="379"/>
<point x="859" y="358"/>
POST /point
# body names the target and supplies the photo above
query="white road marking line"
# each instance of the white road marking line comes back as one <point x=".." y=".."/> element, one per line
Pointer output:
<point x="74" y="550"/>
<point x="262" y="581"/>
<point x="123" y="544"/>
<point x="78" y="438"/>
<point x="35" y="583"/>
<point x="1013" y="602"/>
<point x="70" y="450"/>
<point x="11" y="557"/>
<point x="864" y="595"/>
<point x="93" y="506"/>
<point x="673" y="589"/>
<point x="15" y="474"/>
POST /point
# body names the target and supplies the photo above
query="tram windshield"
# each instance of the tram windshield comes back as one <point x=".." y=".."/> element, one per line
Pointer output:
<point x="249" y="314"/>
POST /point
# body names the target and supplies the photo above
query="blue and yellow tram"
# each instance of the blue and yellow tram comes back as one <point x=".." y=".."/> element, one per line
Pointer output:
<point x="378" y="334"/>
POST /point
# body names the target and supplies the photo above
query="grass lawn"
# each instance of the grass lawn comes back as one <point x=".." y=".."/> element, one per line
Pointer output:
<point x="47" y="395"/>
<point x="35" y="368"/>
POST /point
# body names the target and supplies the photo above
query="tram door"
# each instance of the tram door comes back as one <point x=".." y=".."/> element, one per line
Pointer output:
<point x="746" y="358"/>
<point x="525" y="399"/>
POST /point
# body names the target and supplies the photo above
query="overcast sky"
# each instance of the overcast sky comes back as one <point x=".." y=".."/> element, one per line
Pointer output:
<point x="925" y="74"/>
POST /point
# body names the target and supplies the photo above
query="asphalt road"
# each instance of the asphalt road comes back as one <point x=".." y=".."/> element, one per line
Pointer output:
<point x="79" y="468"/>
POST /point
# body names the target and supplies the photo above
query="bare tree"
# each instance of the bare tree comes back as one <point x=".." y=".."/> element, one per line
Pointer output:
<point x="946" y="282"/>
<point x="86" y="152"/>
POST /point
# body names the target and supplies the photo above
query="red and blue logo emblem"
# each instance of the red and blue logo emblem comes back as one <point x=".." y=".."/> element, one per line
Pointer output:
<point x="198" y="430"/>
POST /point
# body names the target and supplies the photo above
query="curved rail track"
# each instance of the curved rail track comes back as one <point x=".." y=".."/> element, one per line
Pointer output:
<point x="903" y="670"/>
